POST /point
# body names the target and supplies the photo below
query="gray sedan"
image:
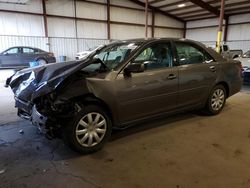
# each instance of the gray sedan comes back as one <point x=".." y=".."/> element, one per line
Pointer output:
<point x="19" y="57"/>
<point x="122" y="84"/>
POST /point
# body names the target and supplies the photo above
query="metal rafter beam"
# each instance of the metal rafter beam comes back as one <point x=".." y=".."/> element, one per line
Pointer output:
<point x="190" y="6"/>
<point x="172" y="4"/>
<point x="218" y="6"/>
<point x="155" y="1"/>
<point x="238" y="13"/>
<point x="197" y="15"/>
<point x="183" y="14"/>
<point x="232" y="9"/>
<point x="156" y="10"/>
<point x="206" y="6"/>
<point x="199" y="18"/>
<point x="236" y="4"/>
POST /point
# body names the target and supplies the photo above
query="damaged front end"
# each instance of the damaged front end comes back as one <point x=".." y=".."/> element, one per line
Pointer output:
<point x="41" y="97"/>
<point x="49" y="114"/>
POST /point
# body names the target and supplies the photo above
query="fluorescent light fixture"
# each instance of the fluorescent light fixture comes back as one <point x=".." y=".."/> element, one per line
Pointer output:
<point x="181" y="5"/>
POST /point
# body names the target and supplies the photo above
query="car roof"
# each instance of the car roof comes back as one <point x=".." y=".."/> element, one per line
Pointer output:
<point x="23" y="47"/>
<point x="212" y="52"/>
<point x="144" y="40"/>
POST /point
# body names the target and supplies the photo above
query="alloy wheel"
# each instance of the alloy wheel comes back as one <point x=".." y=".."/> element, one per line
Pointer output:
<point x="218" y="99"/>
<point x="91" y="129"/>
<point x="41" y="62"/>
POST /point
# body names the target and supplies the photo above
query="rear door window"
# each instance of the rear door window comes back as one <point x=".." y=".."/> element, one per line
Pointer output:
<point x="28" y="50"/>
<point x="191" y="54"/>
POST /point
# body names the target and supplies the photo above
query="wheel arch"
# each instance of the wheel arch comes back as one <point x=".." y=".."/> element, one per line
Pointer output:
<point x="91" y="99"/>
<point x="226" y="86"/>
<point x="41" y="58"/>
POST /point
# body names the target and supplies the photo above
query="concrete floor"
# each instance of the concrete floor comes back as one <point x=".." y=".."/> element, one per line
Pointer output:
<point x="181" y="151"/>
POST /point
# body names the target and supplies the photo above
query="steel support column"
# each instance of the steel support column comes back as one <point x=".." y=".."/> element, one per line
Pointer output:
<point x="225" y="29"/>
<point x="185" y="30"/>
<point x="45" y="18"/>
<point x="76" y="29"/>
<point x="108" y="20"/>
<point x="219" y="35"/>
<point x="153" y="24"/>
<point x="146" y="16"/>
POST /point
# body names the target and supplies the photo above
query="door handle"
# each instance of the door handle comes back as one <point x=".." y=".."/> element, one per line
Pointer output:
<point x="212" y="68"/>
<point x="171" y="76"/>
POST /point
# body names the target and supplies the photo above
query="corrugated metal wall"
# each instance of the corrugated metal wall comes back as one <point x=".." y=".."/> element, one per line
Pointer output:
<point x="58" y="45"/>
<point x="66" y="36"/>
<point x="239" y="44"/>
<point x="69" y="46"/>
<point x="206" y="31"/>
<point x="9" y="41"/>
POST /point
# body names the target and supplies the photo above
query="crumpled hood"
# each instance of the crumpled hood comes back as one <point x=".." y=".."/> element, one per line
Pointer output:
<point x="30" y="83"/>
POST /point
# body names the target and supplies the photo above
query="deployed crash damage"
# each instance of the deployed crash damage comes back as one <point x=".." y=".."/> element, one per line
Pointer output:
<point x="51" y="94"/>
<point x="39" y="95"/>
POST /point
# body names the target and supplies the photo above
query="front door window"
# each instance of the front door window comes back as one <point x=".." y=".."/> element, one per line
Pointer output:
<point x="155" y="57"/>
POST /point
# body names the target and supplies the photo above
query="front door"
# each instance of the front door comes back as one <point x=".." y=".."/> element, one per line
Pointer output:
<point x="10" y="58"/>
<point x="153" y="91"/>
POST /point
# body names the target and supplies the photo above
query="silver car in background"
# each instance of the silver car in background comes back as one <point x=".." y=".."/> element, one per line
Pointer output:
<point x="245" y="61"/>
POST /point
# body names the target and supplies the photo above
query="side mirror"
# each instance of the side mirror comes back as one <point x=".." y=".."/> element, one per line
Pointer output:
<point x="134" y="68"/>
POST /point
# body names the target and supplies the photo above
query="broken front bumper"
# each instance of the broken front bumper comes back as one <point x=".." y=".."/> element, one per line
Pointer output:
<point x="29" y="111"/>
<point x="38" y="119"/>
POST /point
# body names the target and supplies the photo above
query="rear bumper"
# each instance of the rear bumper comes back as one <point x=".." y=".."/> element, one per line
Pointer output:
<point x="51" y="60"/>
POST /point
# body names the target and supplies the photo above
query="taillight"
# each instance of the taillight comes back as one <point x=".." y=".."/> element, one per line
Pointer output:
<point x="51" y="54"/>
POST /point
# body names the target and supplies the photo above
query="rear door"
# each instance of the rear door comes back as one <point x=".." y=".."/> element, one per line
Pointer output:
<point x="153" y="91"/>
<point x="28" y="55"/>
<point x="198" y="72"/>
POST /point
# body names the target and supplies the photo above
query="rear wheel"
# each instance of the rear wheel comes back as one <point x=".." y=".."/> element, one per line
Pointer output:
<point x="216" y="100"/>
<point x="89" y="130"/>
<point x="42" y="61"/>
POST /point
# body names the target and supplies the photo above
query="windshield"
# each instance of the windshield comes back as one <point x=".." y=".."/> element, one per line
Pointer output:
<point x="247" y="54"/>
<point x="112" y="55"/>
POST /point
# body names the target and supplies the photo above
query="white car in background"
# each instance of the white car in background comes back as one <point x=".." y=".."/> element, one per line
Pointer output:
<point x="81" y="55"/>
<point x="245" y="60"/>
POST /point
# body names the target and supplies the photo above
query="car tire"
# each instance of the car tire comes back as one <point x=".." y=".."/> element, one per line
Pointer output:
<point x="42" y="61"/>
<point x="216" y="100"/>
<point x="89" y="130"/>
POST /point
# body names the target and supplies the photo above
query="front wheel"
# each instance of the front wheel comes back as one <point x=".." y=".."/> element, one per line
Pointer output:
<point x="89" y="130"/>
<point x="216" y="100"/>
